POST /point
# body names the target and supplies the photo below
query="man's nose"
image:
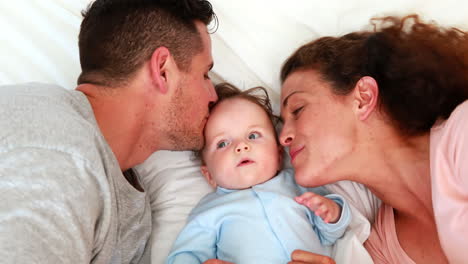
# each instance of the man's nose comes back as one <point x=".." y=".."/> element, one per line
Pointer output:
<point x="212" y="93"/>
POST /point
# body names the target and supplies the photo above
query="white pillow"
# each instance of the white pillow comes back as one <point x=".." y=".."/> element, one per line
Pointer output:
<point x="175" y="185"/>
<point x="39" y="41"/>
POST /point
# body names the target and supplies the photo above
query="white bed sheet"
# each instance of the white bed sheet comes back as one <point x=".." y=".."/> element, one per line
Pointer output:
<point x="39" y="43"/>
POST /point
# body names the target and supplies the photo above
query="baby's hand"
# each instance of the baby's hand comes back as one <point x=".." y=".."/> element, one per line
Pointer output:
<point x="327" y="209"/>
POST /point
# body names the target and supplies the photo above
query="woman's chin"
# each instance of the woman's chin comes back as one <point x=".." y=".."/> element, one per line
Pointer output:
<point x="309" y="178"/>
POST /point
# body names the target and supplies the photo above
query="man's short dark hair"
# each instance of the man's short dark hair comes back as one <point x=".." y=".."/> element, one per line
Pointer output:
<point x="118" y="36"/>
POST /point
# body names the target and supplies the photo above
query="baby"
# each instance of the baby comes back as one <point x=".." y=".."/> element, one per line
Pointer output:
<point x="258" y="214"/>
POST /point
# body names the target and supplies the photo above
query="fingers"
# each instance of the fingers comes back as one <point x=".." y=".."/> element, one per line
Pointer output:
<point x="304" y="257"/>
<point x="324" y="213"/>
<point x="311" y="200"/>
<point x="322" y="210"/>
<point x="304" y="197"/>
<point x="323" y="207"/>
<point x="330" y="212"/>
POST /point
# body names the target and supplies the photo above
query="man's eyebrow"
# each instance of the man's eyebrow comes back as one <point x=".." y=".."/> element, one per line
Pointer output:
<point x="285" y="101"/>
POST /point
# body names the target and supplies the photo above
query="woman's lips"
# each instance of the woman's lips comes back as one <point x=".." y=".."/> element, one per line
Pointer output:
<point x="294" y="152"/>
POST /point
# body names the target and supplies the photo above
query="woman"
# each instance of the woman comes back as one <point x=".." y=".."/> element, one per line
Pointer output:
<point x="387" y="109"/>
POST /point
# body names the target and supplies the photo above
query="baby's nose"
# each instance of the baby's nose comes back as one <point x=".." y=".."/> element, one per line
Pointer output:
<point x="242" y="147"/>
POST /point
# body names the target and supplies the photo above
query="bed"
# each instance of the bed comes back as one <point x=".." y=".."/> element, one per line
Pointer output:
<point x="39" y="43"/>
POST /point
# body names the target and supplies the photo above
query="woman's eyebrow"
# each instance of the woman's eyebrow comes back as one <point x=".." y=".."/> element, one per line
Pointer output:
<point x="285" y="101"/>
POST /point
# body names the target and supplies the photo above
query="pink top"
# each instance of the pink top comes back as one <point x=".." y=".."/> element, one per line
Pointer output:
<point x="382" y="244"/>
<point x="449" y="174"/>
<point x="449" y="171"/>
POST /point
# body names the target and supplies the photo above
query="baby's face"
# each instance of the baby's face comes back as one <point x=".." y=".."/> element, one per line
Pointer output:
<point x="241" y="149"/>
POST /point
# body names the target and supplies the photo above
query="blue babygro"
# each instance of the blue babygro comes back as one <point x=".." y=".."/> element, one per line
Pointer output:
<point x="261" y="224"/>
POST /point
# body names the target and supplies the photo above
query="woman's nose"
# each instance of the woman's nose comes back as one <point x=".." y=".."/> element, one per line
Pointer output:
<point x="286" y="136"/>
<point x="242" y="147"/>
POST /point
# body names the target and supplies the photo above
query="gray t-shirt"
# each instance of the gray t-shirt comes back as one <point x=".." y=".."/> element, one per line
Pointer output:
<point x="63" y="197"/>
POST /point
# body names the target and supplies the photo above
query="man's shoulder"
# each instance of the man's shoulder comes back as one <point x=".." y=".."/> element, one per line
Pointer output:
<point x="27" y="98"/>
<point x="31" y="89"/>
<point x="44" y="116"/>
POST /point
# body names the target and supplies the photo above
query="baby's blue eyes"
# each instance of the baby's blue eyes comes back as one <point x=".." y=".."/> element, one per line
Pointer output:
<point x="222" y="144"/>
<point x="225" y="143"/>
<point x="254" y="135"/>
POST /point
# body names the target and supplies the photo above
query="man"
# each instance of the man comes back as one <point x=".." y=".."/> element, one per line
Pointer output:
<point x="144" y="87"/>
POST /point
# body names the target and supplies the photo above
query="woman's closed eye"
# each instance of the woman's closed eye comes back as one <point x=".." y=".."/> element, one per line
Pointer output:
<point x="297" y="111"/>
<point x="254" y="135"/>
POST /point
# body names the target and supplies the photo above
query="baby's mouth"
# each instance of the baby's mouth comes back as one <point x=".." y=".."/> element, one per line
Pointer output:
<point x="245" y="162"/>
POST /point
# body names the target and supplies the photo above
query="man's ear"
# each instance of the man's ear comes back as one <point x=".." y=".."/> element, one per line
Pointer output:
<point x="206" y="173"/>
<point x="366" y="93"/>
<point x="159" y="64"/>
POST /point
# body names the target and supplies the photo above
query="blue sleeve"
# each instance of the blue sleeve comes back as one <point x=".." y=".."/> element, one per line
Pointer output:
<point x="195" y="244"/>
<point x="329" y="233"/>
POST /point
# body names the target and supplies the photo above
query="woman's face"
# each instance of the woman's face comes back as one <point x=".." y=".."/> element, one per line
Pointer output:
<point x="319" y="128"/>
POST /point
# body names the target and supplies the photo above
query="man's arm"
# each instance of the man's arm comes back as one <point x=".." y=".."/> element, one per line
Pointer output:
<point x="49" y="209"/>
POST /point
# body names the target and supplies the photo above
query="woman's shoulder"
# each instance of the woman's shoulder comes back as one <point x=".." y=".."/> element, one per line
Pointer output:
<point x="383" y="244"/>
<point x="449" y="170"/>
<point x="460" y="112"/>
<point x="447" y="134"/>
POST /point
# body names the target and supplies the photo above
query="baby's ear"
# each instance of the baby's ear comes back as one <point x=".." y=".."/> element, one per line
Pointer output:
<point x="206" y="173"/>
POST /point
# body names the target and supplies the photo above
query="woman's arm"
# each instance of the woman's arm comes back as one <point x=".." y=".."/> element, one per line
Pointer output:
<point x="449" y="173"/>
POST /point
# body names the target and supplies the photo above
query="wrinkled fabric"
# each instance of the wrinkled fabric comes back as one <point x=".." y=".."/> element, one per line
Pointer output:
<point x="449" y="174"/>
<point x="261" y="224"/>
<point x="63" y="196"/>
<point x="383" y="244"/>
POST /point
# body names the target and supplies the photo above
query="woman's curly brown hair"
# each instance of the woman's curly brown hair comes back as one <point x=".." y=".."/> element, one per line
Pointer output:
<point x="421" y="68"/>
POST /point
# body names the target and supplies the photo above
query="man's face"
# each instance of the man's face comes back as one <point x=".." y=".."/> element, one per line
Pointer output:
<point x="189" y="109"/>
